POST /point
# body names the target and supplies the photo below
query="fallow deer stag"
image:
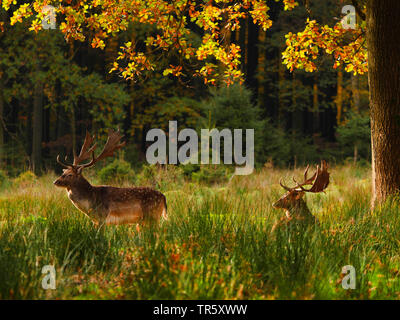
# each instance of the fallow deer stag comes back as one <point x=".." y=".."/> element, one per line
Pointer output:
<point x="106" y="204"/>
<point x="292" y="201"/>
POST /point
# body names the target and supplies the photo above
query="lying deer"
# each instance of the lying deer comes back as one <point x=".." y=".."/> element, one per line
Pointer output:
<point x="105" y="204"/>
<point x="292" y="202"/>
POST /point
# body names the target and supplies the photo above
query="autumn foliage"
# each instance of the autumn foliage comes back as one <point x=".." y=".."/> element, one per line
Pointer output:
<point x="346" y="45"/>
<point x="214" y="58"/>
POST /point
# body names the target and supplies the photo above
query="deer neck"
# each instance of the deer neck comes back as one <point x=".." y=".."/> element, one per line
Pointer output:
<point x="82" y="195"/>
<point x="299" y="210"/>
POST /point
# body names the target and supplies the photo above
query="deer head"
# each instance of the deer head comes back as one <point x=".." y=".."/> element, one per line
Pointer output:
<point x="72" y="174"/>
<point x="293" y="198"/>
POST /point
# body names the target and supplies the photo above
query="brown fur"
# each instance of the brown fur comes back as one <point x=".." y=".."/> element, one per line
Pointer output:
<point x="296" y="210"/>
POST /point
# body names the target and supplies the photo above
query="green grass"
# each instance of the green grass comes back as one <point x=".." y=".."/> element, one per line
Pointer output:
<point x="217" y="244"/>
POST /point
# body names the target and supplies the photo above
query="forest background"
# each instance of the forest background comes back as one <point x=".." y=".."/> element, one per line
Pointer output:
<point x="51" y="91"/>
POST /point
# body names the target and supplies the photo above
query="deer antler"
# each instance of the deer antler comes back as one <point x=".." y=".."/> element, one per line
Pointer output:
<point x="319" y="180"/>
<point x="111" y="145"/>
<point x="284" y="187"/>
<point x="306" y="180"/>
<point x="86" y="150"/>
<point x="61" y="163"/>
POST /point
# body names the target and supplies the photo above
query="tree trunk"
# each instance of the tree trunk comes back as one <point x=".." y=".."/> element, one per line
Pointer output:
<point x="383" y="29"/>
<point x="339" y="97"/>
<point x="252" y="57"/>
<point x="242" y="34"/>
<point x="355" y="154"/>
<point x="281" y="81"/>
<point x="356" y="93"/>
<point x="261" y="66"/>
<point x="315" y="105"/>
<point x="2" y="122"/>
<point x="3" y="18"/>
<point x="28" y="130"/>
<point x="73" y="130"/>
<point x="297" y="115"/>
<point x="37" y="128"/>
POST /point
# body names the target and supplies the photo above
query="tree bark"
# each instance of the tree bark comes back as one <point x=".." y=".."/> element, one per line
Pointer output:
<point x="2" y="122"/>
<point x="37" y="128"/>
<point x="252" y="57"/>
<point x="356" y="93"/>
<point x="3" y="18"/>
<point x="281" y="92"/>
<point x="383" y="29"/>
<point x="339" y="97"/>
<point x="73" y="130"/>
<point x="261" y="66"/>
<point x="315" y="105"/>
<point x="355" y="156"/>
<point x="297" y="115"/>
<point x="242" y="34"/>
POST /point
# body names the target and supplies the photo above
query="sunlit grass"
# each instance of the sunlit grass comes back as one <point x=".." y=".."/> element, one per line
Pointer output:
<point x="217" y="244"/>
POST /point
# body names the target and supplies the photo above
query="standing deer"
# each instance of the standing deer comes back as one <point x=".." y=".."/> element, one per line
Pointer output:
<point x="106" y="204"/>
<point x="292" y="202"/>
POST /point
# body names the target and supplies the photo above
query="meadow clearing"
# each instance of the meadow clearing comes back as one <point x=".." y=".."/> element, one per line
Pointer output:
<point x="217" y="243"/>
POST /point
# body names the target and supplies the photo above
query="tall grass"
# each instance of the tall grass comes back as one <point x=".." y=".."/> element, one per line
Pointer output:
<point x="217" y="244"/>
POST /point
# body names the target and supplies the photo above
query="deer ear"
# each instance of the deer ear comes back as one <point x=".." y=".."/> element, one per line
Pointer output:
<point x="79" y="170"/>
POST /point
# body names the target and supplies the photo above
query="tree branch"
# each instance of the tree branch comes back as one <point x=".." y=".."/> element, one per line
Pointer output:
<point x="307" y="6"/>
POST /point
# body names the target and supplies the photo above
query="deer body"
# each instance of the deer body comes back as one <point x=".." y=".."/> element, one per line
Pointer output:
<point x="106" y="204"/>
<point x="111" y="205"/>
